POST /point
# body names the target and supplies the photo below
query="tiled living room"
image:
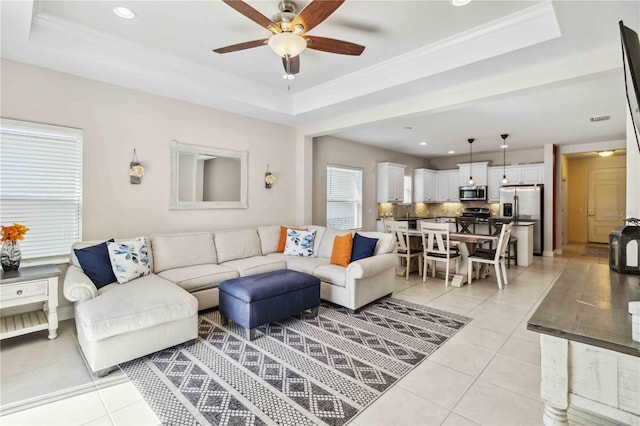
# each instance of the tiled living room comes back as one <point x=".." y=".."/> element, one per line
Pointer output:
<point x="150" y="154"/>
<point x="487" y="373"/>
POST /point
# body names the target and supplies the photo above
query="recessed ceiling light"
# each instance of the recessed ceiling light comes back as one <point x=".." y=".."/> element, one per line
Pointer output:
<point x="124" y="12"/>
<point x="607" y="153"/>
<point x="599" y="118"/>
<point x="423" y="143"/>
<point x="504" y="146"/>
<point x="451" y="152"/>
<point x="407" y="127"/>
<point x="460" y="2"/>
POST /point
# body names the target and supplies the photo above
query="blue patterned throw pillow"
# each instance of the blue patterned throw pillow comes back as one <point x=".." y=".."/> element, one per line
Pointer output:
<point x="129" y="259"/>
<point x="299" y="243"/>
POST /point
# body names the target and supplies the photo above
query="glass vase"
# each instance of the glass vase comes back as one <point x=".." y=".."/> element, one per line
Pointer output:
<point x="10" y="255"/>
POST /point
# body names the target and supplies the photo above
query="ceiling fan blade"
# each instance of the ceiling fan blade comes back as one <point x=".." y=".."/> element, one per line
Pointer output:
<point x="253" y="14"/>
<point x="242" y="46"/>
<point x="294" y="65"/>
<point x="333" y="46"/>
<point x="315" y="12"/>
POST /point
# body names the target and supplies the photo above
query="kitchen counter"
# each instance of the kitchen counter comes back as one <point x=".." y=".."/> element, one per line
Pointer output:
<point x="523" y="223"/>
<point x="589" y="361"/>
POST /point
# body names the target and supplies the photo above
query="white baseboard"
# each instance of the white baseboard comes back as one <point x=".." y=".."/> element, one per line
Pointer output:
<point x="65" y="313"/>
<point x="547" y="253"/>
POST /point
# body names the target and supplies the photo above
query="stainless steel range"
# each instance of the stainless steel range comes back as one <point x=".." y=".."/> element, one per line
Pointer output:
<point x="480" y="213"/>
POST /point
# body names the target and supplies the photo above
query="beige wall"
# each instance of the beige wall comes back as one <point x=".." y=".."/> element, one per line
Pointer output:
<point x="576" y="189"/>
<point x="331" y="150"/>
<point x="116" y="120"/>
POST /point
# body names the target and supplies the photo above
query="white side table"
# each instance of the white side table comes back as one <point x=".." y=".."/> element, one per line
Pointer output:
<point x="30" y="284"/>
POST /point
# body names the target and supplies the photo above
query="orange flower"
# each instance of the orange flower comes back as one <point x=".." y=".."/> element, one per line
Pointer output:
<point x="13" y="232"/>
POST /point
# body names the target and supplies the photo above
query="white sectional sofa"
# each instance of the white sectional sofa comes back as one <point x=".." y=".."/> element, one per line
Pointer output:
<point x="120" y="322"/>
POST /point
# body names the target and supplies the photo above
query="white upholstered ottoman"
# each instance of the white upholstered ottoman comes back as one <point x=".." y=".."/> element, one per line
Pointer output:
<point x="127" y="321"/>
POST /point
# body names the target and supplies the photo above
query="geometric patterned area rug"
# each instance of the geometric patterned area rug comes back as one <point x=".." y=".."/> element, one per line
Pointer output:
<point x="298" y="371"/>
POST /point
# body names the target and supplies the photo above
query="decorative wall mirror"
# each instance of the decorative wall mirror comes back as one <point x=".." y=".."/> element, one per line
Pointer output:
<point x="203" y="177"/>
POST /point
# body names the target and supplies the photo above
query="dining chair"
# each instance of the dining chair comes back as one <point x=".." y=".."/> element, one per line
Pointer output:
<point x="465" y="225"/>
<point x="436" y="245"/>
<point x="494" y="257"/>
<point x="495" y="225"/>
<point x="401" y="231"/>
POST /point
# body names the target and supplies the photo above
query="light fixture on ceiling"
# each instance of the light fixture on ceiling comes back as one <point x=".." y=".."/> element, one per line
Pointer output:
<point x="124" y="12"/>
<point x="451" y="152"/>
<point x="460" y="2"/>
<point x="504" y="146"/>
<point x="423" y="143"/>
<point x="287" y="44"/>
<point x="470" y="182"/>
<point x="607" y="153"/>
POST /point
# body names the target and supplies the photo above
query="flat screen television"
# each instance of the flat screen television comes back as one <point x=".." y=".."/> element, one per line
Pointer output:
<point x="631" y="63"/>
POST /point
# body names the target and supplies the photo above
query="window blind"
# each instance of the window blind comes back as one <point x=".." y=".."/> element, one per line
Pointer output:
<point x="344" y="197"/>
<point x="41" y="185"/>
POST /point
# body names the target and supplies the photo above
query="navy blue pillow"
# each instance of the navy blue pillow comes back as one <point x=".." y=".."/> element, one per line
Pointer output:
<point x="96" y="264"/>
<point x="362" y="247"/>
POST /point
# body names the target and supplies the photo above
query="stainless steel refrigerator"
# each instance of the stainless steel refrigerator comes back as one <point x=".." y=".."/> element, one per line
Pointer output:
<point x="524" y="203"/>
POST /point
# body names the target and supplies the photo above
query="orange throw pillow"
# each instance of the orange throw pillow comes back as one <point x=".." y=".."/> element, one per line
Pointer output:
<point x="341" y="252"/>
<point x="283" y="237"/>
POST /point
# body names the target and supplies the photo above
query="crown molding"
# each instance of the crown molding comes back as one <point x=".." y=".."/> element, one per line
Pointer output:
<point x="530" y="26"/>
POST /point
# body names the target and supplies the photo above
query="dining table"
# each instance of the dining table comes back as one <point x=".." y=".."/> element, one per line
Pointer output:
<point x="466" y="243"/>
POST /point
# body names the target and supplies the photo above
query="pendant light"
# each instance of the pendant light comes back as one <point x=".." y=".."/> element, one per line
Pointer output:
<point x="504" y="137"/>
<point x="470" y="182"/>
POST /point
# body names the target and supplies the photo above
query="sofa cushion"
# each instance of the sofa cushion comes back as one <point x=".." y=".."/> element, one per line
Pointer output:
<point x="129" y="259"/>
<point x="181" y="250"/>
<point x="269" y="237"/>
<point x="386" y="241"/>
<point x="332" y="274"/>
<point x="342" y="247"/>
<point x="199" y="277"/>
<point x="95" y="262"/>
<point x="143" y="303"/>
<point x="284" y="235"/>
<point x="255" y="265"/>
<point x="237" y="244"/>
<point x="363" y="247"/>
<point x="326" y="246"/>
<point x="301" y="264"/>
<point x="299" y="243"/>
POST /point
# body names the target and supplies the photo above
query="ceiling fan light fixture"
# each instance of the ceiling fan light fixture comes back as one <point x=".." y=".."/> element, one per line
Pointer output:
<point x="287" y="44"/>
<point x="289" y="76"/>
<point x="460" y="2"/>
<point x="124" y="12"/>
<point x="607" y="153"/>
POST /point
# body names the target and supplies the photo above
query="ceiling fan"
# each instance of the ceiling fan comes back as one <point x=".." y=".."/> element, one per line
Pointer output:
<point x="289" y="32"/>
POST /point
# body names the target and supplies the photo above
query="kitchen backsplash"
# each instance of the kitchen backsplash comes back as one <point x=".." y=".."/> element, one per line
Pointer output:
<point x="386" y="210"/>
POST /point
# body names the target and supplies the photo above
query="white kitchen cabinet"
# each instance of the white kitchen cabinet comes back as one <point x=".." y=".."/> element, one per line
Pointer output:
<point x="477" y="170"/>
<point x="532" y="173"/>
<point x="448" y="186"/>
<point x="390" y="182"/>
<point x="525" y="174"/>
<point x="493" y="184"/>
<point x="425" y="185"/>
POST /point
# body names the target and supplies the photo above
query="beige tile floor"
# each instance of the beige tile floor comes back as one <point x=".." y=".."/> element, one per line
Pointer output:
<point x="488" y="373"/>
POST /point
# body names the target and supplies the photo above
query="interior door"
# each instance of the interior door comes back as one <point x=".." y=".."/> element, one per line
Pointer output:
<point x="606" y="189"/>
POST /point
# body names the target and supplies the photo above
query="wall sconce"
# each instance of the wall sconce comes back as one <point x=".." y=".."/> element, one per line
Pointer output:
<point x="136" y="171"/>
<point x="268" y="178"/>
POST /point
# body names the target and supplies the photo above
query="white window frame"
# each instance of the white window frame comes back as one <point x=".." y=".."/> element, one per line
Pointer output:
<point x="52" y="231"/>
<point x="354" y="221"/>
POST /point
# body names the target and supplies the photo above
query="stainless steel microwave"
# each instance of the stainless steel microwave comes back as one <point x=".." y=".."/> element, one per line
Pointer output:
<point x="473" y="193"/>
